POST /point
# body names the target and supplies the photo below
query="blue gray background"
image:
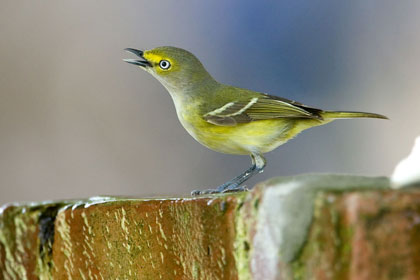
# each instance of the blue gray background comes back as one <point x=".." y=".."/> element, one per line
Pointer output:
<point x="76" y="121"/>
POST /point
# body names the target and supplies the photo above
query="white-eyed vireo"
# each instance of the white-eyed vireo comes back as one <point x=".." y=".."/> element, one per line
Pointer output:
<point x="228" y="119"/>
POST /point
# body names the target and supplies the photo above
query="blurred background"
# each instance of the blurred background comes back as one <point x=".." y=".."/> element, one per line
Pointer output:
<point x="76" y="121"/>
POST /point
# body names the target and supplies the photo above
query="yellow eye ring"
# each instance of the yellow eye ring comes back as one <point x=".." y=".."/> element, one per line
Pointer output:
<point x="164" y="64"/>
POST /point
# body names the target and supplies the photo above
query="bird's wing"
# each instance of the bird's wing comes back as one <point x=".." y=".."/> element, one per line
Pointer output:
<point x="262" y="107"/>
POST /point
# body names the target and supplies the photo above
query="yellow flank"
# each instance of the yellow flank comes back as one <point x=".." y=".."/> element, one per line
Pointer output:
<point x="242" y="139"/>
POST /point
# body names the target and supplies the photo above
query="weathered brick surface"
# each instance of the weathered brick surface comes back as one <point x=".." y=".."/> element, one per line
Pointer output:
<point x="356" y="235"/>
<point x="122" y="239"/>
<point x="155" y="239"/>
<point x="363" y="236"/>
<point x="19" y="244"/>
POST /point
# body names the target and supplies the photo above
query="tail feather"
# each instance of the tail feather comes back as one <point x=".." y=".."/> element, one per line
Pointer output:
<point x="350" y="115"/>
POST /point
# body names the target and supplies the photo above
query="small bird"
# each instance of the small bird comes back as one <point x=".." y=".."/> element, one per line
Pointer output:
<point x="229" y="119"/>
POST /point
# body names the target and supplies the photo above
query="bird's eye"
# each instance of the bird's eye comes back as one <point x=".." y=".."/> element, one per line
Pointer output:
<point x="164" y="64"/>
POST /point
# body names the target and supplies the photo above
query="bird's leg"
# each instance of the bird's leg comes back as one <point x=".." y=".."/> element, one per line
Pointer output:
<point x="234" y="185"/>
<point x="258" y="164"/>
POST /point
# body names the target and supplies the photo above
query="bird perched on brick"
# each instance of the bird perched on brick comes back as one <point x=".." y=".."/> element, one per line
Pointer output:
<point x="229" y="119"/>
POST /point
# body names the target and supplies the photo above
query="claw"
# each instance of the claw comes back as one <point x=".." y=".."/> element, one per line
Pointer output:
<point x="195" y="193"/>
<point x="235" y="189"/>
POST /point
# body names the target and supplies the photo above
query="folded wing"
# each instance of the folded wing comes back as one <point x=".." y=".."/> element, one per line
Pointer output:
<point x="263" y="107"/>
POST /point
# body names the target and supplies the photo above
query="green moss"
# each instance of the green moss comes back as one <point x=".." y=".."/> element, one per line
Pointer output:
<point x="396" y="272"/>
<point x="12" y="225"/>
<point x="325" y="248"/>
<point x="244" y="218"/>
<point x="256" y="203"/>
<point x="18" y="225"/>
<point x="298" y="269"/>
<point x="196" y="270"/>
<point x="46" y="225"/>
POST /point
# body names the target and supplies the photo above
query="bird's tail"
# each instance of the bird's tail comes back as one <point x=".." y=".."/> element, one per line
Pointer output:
<point x="350" y="115"/>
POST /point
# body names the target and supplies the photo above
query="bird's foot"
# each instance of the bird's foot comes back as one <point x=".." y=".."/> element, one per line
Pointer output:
<point x="222" y="189"/>
<point x="198" y="192"/>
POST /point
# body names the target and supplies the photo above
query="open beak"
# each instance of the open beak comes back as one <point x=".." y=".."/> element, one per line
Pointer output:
<point x="140" y="62"/>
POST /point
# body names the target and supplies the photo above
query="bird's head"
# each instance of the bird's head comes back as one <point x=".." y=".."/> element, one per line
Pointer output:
<point x="175" y="68"/>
